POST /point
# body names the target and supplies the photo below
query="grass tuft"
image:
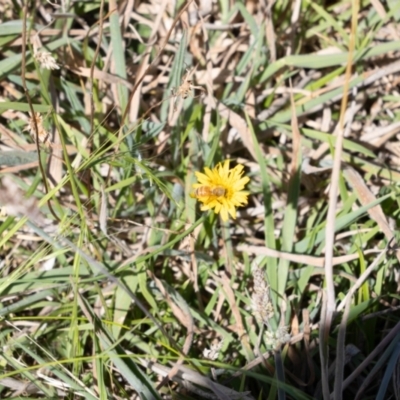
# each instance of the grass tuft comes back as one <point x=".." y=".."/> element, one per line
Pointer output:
<point x="114" y="283"/>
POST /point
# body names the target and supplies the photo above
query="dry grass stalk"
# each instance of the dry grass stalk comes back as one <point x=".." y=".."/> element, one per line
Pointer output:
<point x="37" y="122"/>
<point x="186" y="88"/>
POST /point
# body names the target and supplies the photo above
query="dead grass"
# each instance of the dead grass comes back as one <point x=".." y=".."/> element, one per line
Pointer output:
<point x="114" y="284"/>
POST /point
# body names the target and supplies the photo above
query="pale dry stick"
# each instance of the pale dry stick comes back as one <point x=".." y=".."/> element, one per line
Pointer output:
<point x="100" y="75"/>
<point x="109" y="61"/>
<point x="28" y="388"/>
<point x="326" y="119"/>
<point x="326" y="319"/>
<point x="384" y="140"/>
<point x="300" y="258"/>
<point x="329" y="305"/>
<point x="284" y="91"/>
<point x="347" y="234"/>
<point x="340" y="353"/>
<point x="222" y="27"/>
<point x="218" y="307"/>
<point x="129" y="7"/>
<point x="142" y="21"/>
<point x="323" y="349"/>
<point x="55" y="383"/>
<point x="195" y="269"/>
<point x="381" y="135"/>
<point x="17" y="168"/>
<point x="379" y="73"/>
<point x="363" y="277"/>
<point x="22" y="166"/>
<point x="378" y="132"/>
<point x="103" y="211"/>
<point x="329" y="300"/>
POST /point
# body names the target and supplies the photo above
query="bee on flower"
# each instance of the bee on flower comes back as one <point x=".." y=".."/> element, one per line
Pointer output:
<point x="221" y="189"/>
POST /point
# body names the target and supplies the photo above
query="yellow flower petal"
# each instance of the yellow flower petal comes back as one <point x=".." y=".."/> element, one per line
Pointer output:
<point x="224" y="214"/>
<point x="241" y="183"/>
<point x="232" y="212"/>
<point x="209" y="173"/>
<point x="203" y="179"/>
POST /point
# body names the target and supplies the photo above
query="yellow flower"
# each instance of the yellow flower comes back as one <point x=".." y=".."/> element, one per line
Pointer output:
<point x="221" y="189"/>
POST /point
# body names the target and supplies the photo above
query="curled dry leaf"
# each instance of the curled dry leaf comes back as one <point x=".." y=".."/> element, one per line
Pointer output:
<point x="42" y="134"/>
<point x="186" y="88"/>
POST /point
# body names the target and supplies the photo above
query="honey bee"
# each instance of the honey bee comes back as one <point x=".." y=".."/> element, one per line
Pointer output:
<point x="207" y="191"/>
